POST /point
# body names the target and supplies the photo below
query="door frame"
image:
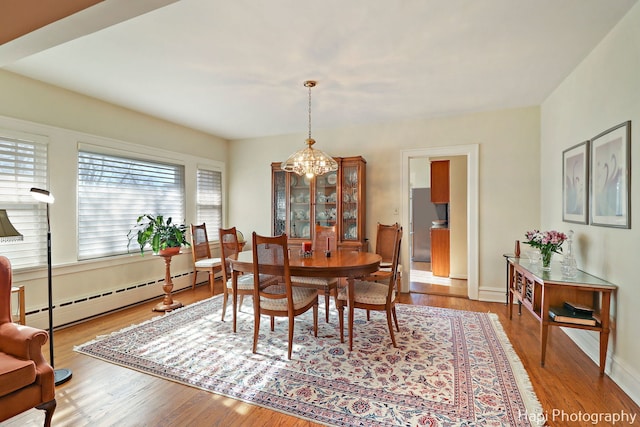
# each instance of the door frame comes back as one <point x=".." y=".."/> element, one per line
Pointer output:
<point x="471" y="151"/>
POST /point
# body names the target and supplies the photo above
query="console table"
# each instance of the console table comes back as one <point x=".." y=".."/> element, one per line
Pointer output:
<point x="537" y="290"/>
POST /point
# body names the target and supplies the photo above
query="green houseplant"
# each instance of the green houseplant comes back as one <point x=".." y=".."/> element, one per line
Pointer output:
<point x="158" y="233"/>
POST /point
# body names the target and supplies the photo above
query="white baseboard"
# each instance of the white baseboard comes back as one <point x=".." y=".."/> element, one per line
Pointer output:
<point x="624" y="376"/>
<point x="492" y="294"/>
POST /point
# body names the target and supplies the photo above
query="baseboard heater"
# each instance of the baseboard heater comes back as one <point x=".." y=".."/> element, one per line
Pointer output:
<point x="76" y="311"/>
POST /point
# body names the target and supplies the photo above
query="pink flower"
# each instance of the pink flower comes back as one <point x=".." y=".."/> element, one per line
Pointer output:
<point x="547" y="241"/>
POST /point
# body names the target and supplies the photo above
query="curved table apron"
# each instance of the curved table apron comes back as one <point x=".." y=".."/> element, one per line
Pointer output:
<point x="349" y="264"/>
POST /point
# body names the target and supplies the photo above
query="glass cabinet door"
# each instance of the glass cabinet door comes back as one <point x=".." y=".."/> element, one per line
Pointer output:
<point x="326" y="211"/>
<point x="300" y="207"/>
<point x="350" y="202"/>
<point x="279" y="203"/>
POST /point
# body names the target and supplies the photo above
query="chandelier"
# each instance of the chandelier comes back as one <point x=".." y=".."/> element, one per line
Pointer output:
<point x="309" y="161"/>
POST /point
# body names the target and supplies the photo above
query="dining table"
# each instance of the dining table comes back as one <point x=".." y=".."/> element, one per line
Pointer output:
<point x="348" y="264"/>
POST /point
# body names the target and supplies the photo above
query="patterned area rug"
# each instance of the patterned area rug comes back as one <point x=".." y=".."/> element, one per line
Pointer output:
<point x="451" y="367"/>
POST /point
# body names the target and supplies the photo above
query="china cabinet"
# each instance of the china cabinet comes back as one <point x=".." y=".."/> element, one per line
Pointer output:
<point x="336" y="198"/>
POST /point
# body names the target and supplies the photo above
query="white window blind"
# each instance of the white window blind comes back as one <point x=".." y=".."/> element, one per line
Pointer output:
<point x="23" y="165"/>
<point x="114" y="191"/>
<point x="209" y="201"/>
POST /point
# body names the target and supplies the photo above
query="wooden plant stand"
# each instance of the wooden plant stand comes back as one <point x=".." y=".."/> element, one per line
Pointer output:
<point x="168" y="302"/>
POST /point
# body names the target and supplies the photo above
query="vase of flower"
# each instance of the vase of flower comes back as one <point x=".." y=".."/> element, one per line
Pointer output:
<point x="548" y="242"/>
<point x="546" y="260"/>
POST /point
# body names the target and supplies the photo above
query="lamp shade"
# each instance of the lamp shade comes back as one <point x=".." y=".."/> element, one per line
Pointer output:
<point x="42" y="195"/>
<point x="8" y="233"/>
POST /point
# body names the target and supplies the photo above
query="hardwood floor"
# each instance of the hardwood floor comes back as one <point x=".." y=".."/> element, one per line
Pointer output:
<point x="422" y="281"/>
<point x="103" y="394"/>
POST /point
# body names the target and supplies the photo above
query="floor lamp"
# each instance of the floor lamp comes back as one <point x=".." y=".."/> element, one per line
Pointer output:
<point x="61" y="375"/>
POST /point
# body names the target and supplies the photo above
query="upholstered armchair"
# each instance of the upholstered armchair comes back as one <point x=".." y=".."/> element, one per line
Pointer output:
<point x="26" y="379"/>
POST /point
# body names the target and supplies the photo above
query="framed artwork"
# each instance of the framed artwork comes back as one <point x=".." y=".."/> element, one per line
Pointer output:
<point x="611" y="177"/>
<point x="575" y="183"/>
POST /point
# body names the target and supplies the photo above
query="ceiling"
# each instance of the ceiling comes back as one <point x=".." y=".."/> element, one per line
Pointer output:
<point x="236" y="69"/>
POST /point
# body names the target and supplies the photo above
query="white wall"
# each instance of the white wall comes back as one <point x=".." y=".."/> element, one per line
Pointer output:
<point x="420" y="172"/>
<point x="67" y="119"/>
<point x="458" y="217"/>
<point x="508" y="187"/>
<point x="602" y="92"/>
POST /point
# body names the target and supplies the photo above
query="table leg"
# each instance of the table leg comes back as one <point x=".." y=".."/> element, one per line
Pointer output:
<point x="519" y="308"/>
<point x="234" y="291"/>
<point x="544" y="333"/>
<point x="508" y="283"/>
<point x="604" y="342"/>
<point x="604" y="333"/>
<point x="350" y="291"/>
<point x="510" y="305"/>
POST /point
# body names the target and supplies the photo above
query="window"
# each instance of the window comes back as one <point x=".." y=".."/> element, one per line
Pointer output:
<point x="209" y="201"/>
<point x="114" y="191"/>
<point x="23" y="165"/>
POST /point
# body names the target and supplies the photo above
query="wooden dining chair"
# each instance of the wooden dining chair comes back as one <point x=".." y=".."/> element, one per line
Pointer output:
<point x="229" y="247"/>
<point x="373" y="296"/>
<point x="201" y="254"/>
<point x="324" y="240"/>
<point x="385" y="236"/>
<point x="271" y="257"/>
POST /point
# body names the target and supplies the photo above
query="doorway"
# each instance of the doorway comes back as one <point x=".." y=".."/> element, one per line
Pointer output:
<point x="446" y="275"/>
<point x="421" y="271"/>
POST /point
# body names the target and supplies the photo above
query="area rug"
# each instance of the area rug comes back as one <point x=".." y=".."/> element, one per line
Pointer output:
<point x="451" y="367"/>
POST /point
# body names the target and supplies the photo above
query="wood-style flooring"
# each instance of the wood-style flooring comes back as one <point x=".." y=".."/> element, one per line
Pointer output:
<point x="103" y="394"/>
<point x="422" y="281"/>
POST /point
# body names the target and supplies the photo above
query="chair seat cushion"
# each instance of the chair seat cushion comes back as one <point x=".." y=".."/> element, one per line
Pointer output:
<point x="314" y="281"/>
<point x="301" y="297"/>
<point x="368" y="293"/>
<point x="15" y="373"/>
<point x="208" y="263"/>
<point x="245" y="281"/>
<point x="386" y="266"/>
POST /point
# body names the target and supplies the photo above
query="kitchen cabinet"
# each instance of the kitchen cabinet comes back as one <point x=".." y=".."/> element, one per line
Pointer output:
<point x="440" y="181"/>
<point x="336" y="198"/>
<point x="440" y="252"/>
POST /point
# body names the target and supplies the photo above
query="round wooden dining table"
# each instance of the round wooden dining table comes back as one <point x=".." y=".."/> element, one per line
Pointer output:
<point x="341" y="263"/>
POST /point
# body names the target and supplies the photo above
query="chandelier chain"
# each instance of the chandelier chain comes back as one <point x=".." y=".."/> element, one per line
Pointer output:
<point x="309" y="86"/>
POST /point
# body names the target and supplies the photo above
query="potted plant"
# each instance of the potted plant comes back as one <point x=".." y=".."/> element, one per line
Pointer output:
<point x="163" y="236"/>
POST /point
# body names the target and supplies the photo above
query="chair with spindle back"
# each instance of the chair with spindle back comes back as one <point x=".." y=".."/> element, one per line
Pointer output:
<point x="371" y="295"/>
<point x="229" y="247"/>
<point x="271" y="258"/>
<point x="201" y="254"/>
